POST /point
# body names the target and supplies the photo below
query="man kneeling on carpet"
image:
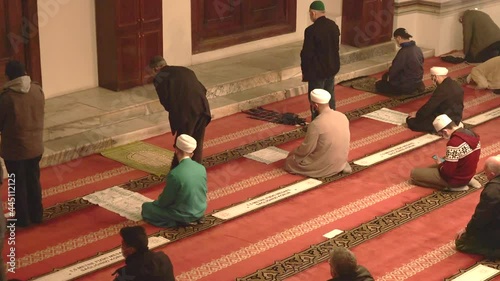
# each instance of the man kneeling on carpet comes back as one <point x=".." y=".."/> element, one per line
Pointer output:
<point x="141" y="263"/>
<point x="184" y="198"/>
<point x="447" y="98"/>
<point x="456" y="171"/>
<point x="407" y="70"/>
<point x="344" y="266"/>
<point x="326" y="145"/>
<point x="482" y="235"/>
<point x="486" y="75"/>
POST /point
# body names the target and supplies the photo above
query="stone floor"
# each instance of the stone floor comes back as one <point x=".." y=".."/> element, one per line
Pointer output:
<point x="86" y="122"/>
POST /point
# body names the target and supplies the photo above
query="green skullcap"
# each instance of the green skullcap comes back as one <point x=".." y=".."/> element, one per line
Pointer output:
<point x="317" y="5"/>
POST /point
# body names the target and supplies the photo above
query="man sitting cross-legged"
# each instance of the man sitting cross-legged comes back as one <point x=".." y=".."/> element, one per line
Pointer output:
<point x="326" y="145"/>
<point x="184" y="198"/>
<point x="447" y="98"/>
<point x="456" y="171"/>
<point x="482" y="235"/>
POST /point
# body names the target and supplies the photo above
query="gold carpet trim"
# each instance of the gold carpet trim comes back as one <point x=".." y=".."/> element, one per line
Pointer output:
<point x="175" y="234"/>
<point x="73" y="244"/>
<point x="318" y="253"/>
<point x="86" y="181"/>
<point x="244" y="184"/>
<point x="267" y="126"/>
<point x="377" y="137"/>
<point x="421" y="263"/>
<point x="292" y="233"/>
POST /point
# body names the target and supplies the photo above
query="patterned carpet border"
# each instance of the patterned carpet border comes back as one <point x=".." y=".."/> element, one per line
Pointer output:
<point x="79" y="203"/>
<point x="384" y="223"/>
<point x="491" y="263"/>
<point x="320" y="252"/>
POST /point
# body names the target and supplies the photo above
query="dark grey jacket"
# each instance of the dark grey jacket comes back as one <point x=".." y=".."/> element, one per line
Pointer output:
<point x="485" y="222"/>
<point x="407" y="68"/>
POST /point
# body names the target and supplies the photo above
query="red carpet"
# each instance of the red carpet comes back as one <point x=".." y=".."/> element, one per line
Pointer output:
<point x="257" y="239"/>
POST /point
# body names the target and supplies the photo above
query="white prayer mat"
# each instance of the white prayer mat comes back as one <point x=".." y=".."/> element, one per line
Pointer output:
<point x="478" y="273"/>
<point x="267" y="199"/>
<point x="388" y="116"/>
<point x="94" y="264"/>
<point x="483" y="117"/>
<point x="333" y="233"/>
<point x="396" y="150"/>
<point x="268" y="155"/>
<point x="124" y="202"/>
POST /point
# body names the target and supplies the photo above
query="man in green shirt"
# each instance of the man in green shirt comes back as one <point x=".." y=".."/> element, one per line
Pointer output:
<point x="184" y="198"/>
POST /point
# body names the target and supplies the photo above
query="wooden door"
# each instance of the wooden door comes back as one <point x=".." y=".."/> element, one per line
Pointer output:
<point x="222" y="23"/>
<point x="12" y="45"/>
<point x="129" y="34"/>
<point x="151" y="34"/>
<point x="215" y="18"/>
<point x="367" y="22"/>
<point x="128" y="27"/>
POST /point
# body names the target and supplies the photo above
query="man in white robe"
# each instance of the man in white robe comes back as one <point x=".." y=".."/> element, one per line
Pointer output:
<point x="326" y="145"/>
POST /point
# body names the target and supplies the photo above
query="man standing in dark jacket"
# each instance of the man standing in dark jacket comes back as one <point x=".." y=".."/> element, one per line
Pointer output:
<point x="482" y="235"/>
<point x="22" y="105"/>
<point x="407" y="69"/>
<point x="320" y="60"/>
<point x="141" y="264"/>
<point x="448" y="98"/>
<point x="344" y="266"/>
<point x="185" y="99"/>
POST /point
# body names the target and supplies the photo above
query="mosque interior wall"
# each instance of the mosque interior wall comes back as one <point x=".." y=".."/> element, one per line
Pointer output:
<point x="68" y="37"/>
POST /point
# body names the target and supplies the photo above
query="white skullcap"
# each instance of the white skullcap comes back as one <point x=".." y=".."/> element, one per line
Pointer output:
<point x="441" y="121"/>
<point x="320" y="96"/>
<point x="186" y="143"/>
<point x="439" y="71"/>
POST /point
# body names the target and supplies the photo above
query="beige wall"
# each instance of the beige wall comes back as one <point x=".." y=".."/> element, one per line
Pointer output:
<point x="446" y="32"/>
<point x="68" y="39"/>
<point x="67" y="45"/>
<point x="177" y="33"/>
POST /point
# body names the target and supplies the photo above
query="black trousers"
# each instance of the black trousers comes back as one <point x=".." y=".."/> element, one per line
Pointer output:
<point x="198" y="133"/>
<point x="419" y="125"/>
<point x="28" y="190"/>
<point x="385" y="87"/>
<point x="491" y="51"/>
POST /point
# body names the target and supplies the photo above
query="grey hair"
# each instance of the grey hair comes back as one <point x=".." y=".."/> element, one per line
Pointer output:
<point x="343" y="261"/>
<point x="157" y="61"/>
<point x="493" y="164"/>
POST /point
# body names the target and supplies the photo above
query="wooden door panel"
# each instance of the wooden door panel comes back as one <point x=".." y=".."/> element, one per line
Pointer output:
<point x="367" y="22"/>
<point x="151" y="45"/>
<point x="221" y="17"/>
<point x="151" y="11"/>
<point x="385" y="19"/>
<point x="222" y="23"/>
<point x="259" y="13"/>
<point x="127" y="14"/>
<point x="129" y="58"/>
<point x="4" y="44"/>
<point x="13" y="40"/>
